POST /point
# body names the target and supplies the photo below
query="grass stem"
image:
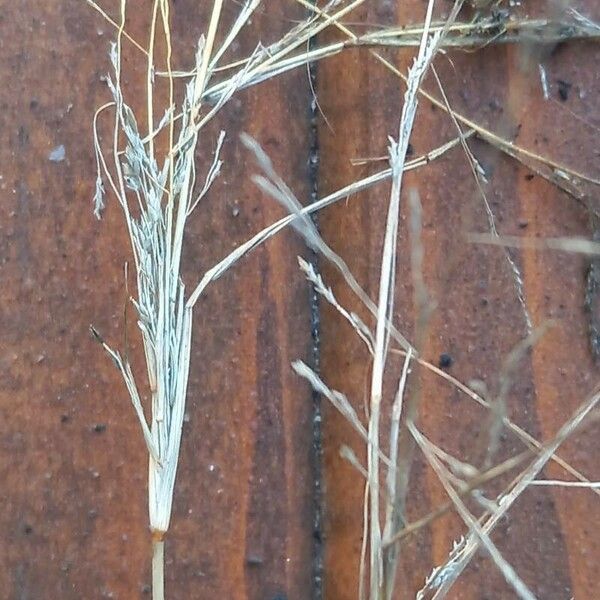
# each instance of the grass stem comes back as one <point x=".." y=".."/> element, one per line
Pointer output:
<point x="158" y="567"/>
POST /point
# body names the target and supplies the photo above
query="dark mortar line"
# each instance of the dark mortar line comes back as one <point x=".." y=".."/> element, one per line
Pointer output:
<point x="315" y="354"/>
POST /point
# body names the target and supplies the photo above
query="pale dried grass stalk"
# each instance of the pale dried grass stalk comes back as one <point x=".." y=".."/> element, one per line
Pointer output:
<point x="343" y="193"/>
<point x="363" y="332"/>
<point x="156" y="202"/>
<point x="566" y="178"/>
<point x="443" y="577"/>
<point x="157" y="195"/>
<point x="397" y="150"/>
<point x="444" y="476"/>
<point x="563" y="244"/>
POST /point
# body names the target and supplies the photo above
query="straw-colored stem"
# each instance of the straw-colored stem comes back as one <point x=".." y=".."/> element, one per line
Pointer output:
<point x="158" y="567"/>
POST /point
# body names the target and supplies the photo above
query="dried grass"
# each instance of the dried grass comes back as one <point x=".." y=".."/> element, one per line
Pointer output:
<point x="157" y="193"/>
